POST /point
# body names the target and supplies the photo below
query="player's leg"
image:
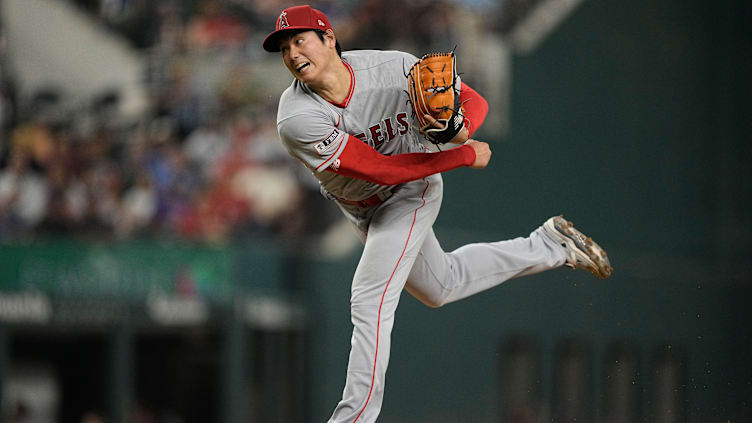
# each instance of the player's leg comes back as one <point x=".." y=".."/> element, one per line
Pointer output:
<point x="438" y="277"/>
<point x="395" y="236"/>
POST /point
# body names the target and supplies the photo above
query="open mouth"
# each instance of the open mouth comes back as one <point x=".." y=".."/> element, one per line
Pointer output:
<point x="302" y="66"/>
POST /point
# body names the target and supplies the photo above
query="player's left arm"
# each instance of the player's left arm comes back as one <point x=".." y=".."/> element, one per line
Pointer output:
<point x="475" y="111"/>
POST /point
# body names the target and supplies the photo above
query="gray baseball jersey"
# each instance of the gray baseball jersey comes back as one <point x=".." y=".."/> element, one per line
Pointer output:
<point x="400" y="248"/>
<point x="376" y="112"/>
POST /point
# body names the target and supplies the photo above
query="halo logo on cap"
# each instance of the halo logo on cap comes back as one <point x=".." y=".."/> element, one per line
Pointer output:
<point x="283" y="20"/>
<point x="297" y="17"/>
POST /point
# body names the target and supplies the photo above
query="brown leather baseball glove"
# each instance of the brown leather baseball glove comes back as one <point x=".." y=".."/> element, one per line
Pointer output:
<point x="434" y="89"/>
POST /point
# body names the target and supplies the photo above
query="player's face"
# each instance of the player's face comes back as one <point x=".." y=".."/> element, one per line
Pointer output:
<point x="306" y="56"/>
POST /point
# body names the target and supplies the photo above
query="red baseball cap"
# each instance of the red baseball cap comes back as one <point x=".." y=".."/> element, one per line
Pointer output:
<point x="296" y="17"/>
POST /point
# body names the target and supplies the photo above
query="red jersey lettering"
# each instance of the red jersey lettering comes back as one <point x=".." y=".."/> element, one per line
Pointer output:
<point x="402" y="120"/>
<point x="376" y="135"/>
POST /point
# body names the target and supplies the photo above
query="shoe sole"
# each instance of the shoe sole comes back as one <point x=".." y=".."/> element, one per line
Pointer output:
<point x="590" y="256"/>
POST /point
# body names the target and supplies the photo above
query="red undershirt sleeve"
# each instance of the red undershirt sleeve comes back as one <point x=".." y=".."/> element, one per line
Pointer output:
<point x="476" y="108"/>
<point x="361" y="161"/>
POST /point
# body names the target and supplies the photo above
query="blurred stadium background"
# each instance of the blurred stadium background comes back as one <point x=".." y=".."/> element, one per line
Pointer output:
<point x="162" y="260"/>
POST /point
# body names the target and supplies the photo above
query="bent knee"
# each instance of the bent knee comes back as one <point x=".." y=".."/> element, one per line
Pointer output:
<point x="433" y="302"/>
<point x="431" y="295"/>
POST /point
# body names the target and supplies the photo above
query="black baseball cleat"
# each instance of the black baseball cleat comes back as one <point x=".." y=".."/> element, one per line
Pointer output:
<point x="582" y="251"/>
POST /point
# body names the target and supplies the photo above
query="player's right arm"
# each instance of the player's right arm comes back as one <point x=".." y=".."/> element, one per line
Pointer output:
<point x="361" y="161"/>
<point x="314" y="140"/>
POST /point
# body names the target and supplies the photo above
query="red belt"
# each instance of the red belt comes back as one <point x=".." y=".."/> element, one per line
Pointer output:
<point x="371" y="201"/>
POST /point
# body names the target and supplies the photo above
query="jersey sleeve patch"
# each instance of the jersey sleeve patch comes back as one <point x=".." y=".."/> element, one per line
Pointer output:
<point x="335" y="151"/>
<point x="328" y="145"/>
<point x="310" y="136"/>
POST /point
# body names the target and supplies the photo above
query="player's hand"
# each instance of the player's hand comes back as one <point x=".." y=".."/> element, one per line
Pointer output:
<point x="460" y="138"/>
<point x="482" y="153"/>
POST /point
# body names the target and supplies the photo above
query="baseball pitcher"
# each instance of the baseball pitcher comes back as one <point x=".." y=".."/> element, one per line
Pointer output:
<point x="360" y="121"/>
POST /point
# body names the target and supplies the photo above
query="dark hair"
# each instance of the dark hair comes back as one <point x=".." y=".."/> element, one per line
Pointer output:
<point x="320" y="33"/>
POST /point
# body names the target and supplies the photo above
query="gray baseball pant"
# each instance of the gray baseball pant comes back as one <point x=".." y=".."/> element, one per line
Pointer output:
<point x="402" y="252"/>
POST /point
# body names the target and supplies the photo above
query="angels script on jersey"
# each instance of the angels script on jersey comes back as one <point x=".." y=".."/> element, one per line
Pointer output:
<point x="385" y="130"/>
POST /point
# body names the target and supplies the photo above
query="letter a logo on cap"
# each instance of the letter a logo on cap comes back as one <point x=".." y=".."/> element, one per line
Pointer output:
<point x="283" y="21"/>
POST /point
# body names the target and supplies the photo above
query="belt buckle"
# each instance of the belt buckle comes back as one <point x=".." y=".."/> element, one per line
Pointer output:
<point x="371" y="201"/>
<point x="384" y="195"/>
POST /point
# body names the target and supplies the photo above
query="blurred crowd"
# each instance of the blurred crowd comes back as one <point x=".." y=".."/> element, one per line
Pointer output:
<point x="205" y="162"/>
<point x="223" y="176"/>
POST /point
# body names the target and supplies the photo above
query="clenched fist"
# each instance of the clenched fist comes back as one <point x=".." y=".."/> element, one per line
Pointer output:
<point x="482" y="153"/>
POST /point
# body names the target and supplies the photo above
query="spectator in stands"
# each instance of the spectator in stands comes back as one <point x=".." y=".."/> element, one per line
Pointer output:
<point x="205" y="145"/>
<point x="214" y="28"/>
<point x="138" y="207"/>
<point x="23" y="197"/>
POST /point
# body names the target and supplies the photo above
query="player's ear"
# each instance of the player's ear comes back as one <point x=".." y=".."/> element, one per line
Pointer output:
<point x="330" y="39"/>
